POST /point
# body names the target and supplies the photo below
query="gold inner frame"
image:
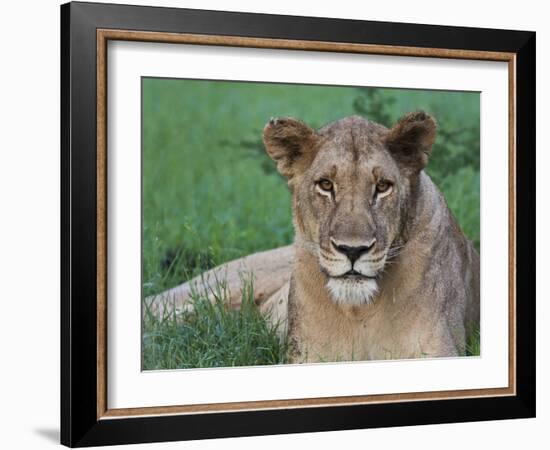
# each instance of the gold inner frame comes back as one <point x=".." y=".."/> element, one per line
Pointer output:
<point x="103" y="36"/>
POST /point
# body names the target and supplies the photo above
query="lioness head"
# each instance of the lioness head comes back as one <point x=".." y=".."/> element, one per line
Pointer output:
<point x="352" y="184"/>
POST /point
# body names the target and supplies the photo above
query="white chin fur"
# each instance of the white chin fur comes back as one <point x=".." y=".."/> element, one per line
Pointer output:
<point x="352" y="292"/>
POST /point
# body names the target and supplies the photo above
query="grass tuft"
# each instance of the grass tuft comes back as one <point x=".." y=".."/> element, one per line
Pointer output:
<point x="473" y="345"/>
<point x="212" y="334"/>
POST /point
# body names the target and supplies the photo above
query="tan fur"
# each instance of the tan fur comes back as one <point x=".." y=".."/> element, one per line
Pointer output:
<point x="270" y="272"/>
<point x="427" y="298"/>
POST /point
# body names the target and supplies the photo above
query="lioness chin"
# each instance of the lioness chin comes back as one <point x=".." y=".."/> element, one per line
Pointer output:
<point x="381" y="268"/>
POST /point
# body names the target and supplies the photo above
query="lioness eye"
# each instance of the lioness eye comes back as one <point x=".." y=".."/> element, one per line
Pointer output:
<point x="383" y="186"/>
<point x="325" y="185"/>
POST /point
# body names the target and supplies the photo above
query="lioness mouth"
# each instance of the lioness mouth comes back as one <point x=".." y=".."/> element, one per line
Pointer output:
<point x="353" y="274"/>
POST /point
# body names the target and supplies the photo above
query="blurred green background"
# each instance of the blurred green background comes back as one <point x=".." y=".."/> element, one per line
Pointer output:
<point x="211" y="194"/>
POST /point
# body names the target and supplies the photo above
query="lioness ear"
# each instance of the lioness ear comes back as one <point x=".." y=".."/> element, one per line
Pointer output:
<point x="290" y="143"/>
<point x="410" y="140"/>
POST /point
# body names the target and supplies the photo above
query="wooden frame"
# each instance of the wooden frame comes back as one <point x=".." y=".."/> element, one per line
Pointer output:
<point x="86" y="418"/>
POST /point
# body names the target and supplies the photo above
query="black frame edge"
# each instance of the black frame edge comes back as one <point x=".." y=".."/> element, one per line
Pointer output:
<point x="302" y="420"/>
<point x="79" y="231"/>
<point x="65" y="416"/>
<point x="233" y="23"/>
<point x="525" y="223"/>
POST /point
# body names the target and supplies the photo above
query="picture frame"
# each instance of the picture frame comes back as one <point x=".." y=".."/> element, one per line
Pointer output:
<point x="86" y="29"/>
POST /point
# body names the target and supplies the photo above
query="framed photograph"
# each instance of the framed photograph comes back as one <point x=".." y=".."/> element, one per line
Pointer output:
<point x="276" y="224"/>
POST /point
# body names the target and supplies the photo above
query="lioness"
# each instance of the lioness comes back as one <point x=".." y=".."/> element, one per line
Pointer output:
<point x="379" y="268"/>
<point x="382" y="269"/>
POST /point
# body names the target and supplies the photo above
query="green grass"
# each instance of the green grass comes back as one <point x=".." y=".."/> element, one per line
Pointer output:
<point x="473" y="345"/>
<point x="212" y="335"/>
<point x="210" y="193"/>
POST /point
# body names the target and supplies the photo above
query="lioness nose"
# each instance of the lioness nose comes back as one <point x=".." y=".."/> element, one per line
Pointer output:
<point x="353" y="253"/>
